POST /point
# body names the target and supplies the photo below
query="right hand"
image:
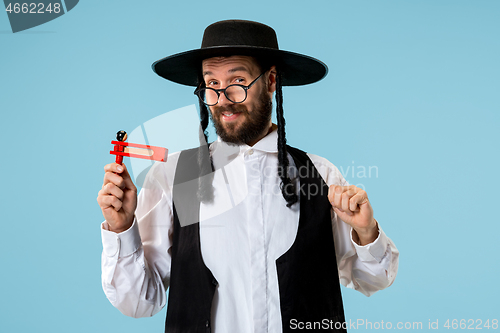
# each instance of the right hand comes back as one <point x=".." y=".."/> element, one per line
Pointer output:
<point x="117" y="198"/>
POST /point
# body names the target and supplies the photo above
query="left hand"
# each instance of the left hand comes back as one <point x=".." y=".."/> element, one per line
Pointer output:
<point x="352" y="206"/>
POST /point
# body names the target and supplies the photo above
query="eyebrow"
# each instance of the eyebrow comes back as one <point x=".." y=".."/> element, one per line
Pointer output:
<point x="232" y="70"/>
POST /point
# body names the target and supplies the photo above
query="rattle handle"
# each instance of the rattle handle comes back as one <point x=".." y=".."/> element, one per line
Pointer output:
<point x="119" y="159"/>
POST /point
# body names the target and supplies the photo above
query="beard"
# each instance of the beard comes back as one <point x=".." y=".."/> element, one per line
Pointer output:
<point x="255" y="123"/>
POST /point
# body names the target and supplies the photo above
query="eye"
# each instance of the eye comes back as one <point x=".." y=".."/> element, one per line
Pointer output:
<point x="239" y="80"/>
<point x="212" y="83"/>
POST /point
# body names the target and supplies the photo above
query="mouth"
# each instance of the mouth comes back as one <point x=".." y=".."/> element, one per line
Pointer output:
<point x="230" y="115"/>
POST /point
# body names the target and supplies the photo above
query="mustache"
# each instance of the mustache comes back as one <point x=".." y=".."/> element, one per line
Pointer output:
<point x="234" y="108"/>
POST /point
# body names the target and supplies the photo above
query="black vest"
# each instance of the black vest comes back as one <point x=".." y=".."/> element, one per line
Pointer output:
<point x="307" y="273"/>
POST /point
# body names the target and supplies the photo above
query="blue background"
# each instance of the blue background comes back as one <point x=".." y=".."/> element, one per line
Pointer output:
<point x="413" y="90"/>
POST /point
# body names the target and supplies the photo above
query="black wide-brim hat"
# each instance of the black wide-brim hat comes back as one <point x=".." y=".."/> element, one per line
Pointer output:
<point x="239" y="37"/>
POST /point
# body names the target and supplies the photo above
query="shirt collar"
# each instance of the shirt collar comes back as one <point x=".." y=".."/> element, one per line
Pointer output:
<point x="268" y="144"/>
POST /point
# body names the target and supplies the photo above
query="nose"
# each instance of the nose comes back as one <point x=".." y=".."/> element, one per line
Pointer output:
<point x="223" y="99"/>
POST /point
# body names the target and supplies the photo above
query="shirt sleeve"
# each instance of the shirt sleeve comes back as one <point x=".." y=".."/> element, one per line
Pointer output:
<point x="136" y="263"/>
<point x="367" y="268"/>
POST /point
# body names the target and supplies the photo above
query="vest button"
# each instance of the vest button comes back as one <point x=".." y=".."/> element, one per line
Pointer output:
<point x="214" y="282"/>
<point x="207" y="324"/>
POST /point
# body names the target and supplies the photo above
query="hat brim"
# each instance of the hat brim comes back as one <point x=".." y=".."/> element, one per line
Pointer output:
<point x="296" y="69"/>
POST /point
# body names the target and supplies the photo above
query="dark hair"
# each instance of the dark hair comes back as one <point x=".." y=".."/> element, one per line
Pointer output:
<point x="205" y="162"/>
<point x="288" y="189"/>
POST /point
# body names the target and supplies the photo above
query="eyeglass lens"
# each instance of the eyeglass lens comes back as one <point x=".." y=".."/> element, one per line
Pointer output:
<point x="235" y="94"/>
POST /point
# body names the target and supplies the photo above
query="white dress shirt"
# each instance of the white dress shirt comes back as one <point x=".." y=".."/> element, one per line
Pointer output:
<point x="242" y="233"/>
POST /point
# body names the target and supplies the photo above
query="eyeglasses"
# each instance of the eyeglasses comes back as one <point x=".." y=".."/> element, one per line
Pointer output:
<point x="235" y="93"/>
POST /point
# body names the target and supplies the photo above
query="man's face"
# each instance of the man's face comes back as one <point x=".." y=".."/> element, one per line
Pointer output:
<point x="246" y="122"/>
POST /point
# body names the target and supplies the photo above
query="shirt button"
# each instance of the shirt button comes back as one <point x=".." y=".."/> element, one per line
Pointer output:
<point x="250" y="152"/>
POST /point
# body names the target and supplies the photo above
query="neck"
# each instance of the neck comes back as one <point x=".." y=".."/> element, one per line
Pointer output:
<point x="271" y="128"/>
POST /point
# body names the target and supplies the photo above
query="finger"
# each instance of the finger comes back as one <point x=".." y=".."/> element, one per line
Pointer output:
<point x="121" y="169"/>
<point x="357" y="200"/>
<point x="116" y="179"/>
<point x="107" y="201"/>
<point x="337" y="198"/>
<point x="128" y="179"/>
<point x="112" y="189"/>
<point x="331" y="193"/>
<point x="114" y="167"/>
<point x="341" y="214"/>
<point x="345" y="199"/>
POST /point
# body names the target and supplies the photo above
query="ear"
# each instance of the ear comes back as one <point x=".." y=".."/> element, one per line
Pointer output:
<point x="271" y="81"/>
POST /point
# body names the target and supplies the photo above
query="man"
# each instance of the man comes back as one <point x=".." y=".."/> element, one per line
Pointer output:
<point x="259" y="241"/>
